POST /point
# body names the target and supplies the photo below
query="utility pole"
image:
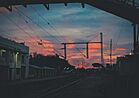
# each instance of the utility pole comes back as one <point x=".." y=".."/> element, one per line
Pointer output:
<point x="101" y="41"/>
<point x="87" y="51"/>
<point x="65" y="51"/>
<point x="134" y="32"/>
<point x="65" y="48"/>
<point x="111" y="52"/>
<point x="138" y="35"/>
<point x="87" y="47"/>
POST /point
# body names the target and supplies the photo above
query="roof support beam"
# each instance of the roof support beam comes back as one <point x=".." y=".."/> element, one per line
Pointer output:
<point x="115" y="7"/>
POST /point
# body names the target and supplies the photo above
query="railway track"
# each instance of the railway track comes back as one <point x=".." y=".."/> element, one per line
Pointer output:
<point x="56" y="90"/>
<point x="37" y="89"/>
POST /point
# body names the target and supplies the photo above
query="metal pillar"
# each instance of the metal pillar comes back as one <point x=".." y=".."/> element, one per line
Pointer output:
<point x="138" y="34"/>
<point x="65" y="51"/>
<point x="87" y="48"/>
<point x="87" y="51"/>
<point x="101" y="40"/>
<point x="134" y="39"/>
<point x="111" y="52"/>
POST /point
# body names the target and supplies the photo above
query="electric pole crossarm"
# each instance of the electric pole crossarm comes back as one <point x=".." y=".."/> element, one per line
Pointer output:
<point x="81" y="43"/>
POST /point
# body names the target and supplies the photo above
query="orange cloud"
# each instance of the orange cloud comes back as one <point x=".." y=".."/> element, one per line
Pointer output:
<point x="46" y="48"/>
<point x="113" y="57"/>
<point x="120" y="49"/>
<point x="70" y="45"/>
<point x="93" y="51"/>
<point x="74" y="56"/>
<point x="94" y="46"/>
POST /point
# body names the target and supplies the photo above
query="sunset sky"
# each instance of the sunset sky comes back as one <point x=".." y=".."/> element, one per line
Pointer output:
<point x="67" y="24"/>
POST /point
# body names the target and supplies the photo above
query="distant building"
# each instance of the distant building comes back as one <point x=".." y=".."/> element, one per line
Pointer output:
<point x="41" y="72"/>
<point x="126" y="65"/>
<point x="14" y="60"/>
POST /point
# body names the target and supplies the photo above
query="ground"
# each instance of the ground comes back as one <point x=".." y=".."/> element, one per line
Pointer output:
<point x="72" y="86"/>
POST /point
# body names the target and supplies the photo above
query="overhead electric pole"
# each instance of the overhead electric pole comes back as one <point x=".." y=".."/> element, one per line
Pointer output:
<point x="111" y="52"/>
<point x="87" y="47"/>
<point x="138" y="35"/>
<point x="65" y="51"/>
<point x="134" y="39"/>
<point x="101" y="40"/>
<point x="87" y="51"/>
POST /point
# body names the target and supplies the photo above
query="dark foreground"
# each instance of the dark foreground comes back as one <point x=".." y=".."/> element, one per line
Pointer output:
<point x="81" y="86"/>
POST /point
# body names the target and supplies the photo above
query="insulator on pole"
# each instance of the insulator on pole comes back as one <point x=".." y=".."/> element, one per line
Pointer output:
<point x="46" y="6"/>
<point x="65" y="4"/>
<point x="9" y="8"/>
<point x="83" y="5"/>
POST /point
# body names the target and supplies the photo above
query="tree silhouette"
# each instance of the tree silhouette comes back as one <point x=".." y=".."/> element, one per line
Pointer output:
<point x="52" y="61"/>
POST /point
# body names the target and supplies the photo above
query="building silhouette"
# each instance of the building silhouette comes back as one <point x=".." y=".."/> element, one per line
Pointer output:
<point x="14" y="62"/>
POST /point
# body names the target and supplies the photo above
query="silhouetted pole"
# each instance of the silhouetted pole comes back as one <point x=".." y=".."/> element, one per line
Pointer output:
<point x="65" y="51"/>
<point x="87" y="51"/>
<point x="86" y="43"/>
<point x="111" y="52"/>
<point x="138" y="35"/>
<point x="134" y="31"/>
<point x="101" y="40"/>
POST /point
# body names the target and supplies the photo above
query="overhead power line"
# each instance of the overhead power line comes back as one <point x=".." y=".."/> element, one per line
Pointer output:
<point x="38" y="25"/>
<point x="48" y="22"/>
<point x="40" y="28"/>
<point x="53" y="28"/>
